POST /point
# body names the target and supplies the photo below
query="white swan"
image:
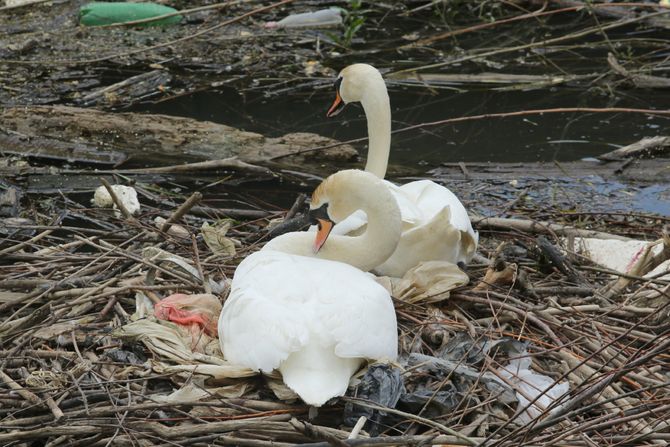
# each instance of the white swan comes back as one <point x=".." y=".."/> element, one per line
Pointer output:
<point x="436" y="225"/>
<point x="294" y="308"/>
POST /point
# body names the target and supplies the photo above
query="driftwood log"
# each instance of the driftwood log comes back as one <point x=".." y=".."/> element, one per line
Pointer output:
<point x="637" y="170"/>
<point x="93" y="136"/>
<point x="645" y="148"/>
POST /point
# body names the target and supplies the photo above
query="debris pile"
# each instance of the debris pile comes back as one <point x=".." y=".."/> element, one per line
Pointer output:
<point x="541" y="347"/>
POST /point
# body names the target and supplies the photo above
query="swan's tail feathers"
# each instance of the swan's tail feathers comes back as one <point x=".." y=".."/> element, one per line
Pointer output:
<point x="316" y="374"/>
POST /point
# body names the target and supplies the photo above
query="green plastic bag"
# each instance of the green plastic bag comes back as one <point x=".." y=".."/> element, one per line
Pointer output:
<point x="106" y="13"/>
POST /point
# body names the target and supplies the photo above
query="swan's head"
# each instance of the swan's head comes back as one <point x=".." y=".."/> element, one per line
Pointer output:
<point x="353" y="84"/>
<point x="342" y="194"/>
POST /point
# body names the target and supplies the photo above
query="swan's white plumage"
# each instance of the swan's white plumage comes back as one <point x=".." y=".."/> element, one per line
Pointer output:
<point x="312" y="319"/>
<point x="436" y="225"/>
<point x="310" y="316"/>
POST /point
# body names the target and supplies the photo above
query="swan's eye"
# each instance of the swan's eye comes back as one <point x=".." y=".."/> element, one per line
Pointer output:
<point x="318" y="225"/>
<point x="338" y="82"/>
<point x="316" y="215"/>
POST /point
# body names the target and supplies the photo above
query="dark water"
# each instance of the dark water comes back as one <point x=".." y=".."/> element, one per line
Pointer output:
<point x="274" y="107"/>
<point x="563" y="137"/>
<point x="299" y="103"/>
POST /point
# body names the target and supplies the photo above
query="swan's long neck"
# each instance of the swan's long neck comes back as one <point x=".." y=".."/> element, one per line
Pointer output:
<point x="366" y="251"/>
<point x="378" y="112"/>
<point x="374" y="246"/>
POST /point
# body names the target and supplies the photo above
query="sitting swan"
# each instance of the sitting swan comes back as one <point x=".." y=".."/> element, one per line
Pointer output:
<point x="295" y="308"/>
<point x="436" y="225"/>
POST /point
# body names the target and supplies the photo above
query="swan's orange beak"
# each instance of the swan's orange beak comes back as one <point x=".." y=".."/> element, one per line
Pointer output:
<point x="325" y="227"/>
<point x="337" y="106"/>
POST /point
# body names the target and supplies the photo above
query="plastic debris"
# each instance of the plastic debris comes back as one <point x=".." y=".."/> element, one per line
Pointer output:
<point x="199" y="312"/>
<point x="315" y="19"/>
<point x="617" y="254"/>
<point x="106" y="13"/>
<point x="192" y="392"/>
<point x="126" y="194"/>
<point x="170" y="342"/>
<point x="381" y="384"/>
<point x="463" y="348"/>
<point x="529" y="384"/>
<point x="124" y="356"/>
<point x="461" y="376"/>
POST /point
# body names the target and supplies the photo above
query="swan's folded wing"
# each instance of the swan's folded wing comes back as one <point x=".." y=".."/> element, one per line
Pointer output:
<point x="359" y="315"/>
<point x="432" y="198"/>
<point x="280" y="302"/>
<point x="440" y="240"/>
<point x="258" y="326"/>
<point x="411" y="214"/>
<point x="352" y="225"/>
<point x="433" y="240"/>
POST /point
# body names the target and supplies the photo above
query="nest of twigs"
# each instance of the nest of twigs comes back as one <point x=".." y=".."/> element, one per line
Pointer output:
<point x="69" y="377"/>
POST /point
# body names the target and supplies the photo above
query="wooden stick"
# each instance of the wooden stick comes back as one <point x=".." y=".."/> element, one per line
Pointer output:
<point x="182" y="210"/>
<point x="119" y="204"/>
<point x="30" y="396"/>
<point x="21" y="245"/>
<point x="532" y="226"/>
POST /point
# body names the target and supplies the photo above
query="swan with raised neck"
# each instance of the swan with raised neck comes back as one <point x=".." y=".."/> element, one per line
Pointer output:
<point x="363" y="83"/>
<point x="436" y="225"/>
<point x="340" y="195"/>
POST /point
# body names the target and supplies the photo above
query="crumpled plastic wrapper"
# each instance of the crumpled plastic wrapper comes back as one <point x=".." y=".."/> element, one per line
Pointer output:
<point x="201" y="310"/>
<point x="428" y="282"/>
<point x="529" y="384"/>
<point x="196" y="317"/>
<point x="172" y="353"/>
<point x="192" y="392"/>
<point x="382" y="384"/>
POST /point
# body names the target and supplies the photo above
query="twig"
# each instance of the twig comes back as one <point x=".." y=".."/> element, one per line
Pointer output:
<point x="119" y="204"/>
<point x="532" y="226"/>
<point x="315" y="432"/>
<point x="559" y="261"/>
<point x="644" y="148"/>
<point x="414" y="417"/>
<point x="21" y="245"/>
<point x="542" y="43"/>
<point x="182" y="210"/>
<point x="30" y="396"/>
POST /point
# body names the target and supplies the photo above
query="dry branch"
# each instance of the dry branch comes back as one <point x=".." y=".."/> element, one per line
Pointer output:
<point x="535" y="227"/>
<point x="646" y="147"/>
